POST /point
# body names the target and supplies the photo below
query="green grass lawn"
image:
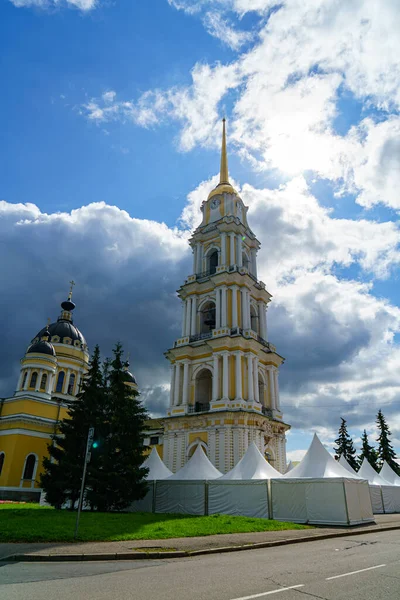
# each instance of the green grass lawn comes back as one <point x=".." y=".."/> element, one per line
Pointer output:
<point x="34" y="523"/>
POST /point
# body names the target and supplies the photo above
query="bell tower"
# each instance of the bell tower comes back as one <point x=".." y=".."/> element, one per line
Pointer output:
<point x="224" y="371"/>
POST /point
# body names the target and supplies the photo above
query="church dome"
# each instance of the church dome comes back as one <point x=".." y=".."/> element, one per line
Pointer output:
<point x="130" y="378"/>
<point x="42" y="347"/>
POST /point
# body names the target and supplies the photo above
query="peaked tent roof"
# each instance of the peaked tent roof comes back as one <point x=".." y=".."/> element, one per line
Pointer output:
<point x="387" y="473"/>
<point x="157" y="469"/>
<point x="252" y="465"/>
<point x="366" y="471"/>
<point x="198" y="467"/>
<point x="289" y="466"/>
<point x="345" y="464"/>
<point x="318" y="463"/>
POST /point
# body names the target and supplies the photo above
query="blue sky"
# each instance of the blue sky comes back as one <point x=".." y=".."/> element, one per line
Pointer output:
<point x="119" y="103"/>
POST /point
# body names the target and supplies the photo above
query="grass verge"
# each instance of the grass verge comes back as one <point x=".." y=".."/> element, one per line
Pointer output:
<point x="34" y="523"/>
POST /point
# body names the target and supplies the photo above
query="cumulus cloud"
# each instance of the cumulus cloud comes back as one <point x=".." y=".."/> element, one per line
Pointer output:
<point x="83" y="5"/>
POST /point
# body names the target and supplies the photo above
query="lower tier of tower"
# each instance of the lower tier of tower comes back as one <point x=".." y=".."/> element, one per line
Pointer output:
<point x="224" y="437"/>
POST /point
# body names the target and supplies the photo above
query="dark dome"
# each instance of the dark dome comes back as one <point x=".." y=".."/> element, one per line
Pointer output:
<point x="62" y="328"/>
<point x="42" y="347"/>
<point x="130" y="378"/>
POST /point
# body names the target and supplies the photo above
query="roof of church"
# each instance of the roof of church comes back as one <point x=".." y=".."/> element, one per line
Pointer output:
<point x="42" y="347"/>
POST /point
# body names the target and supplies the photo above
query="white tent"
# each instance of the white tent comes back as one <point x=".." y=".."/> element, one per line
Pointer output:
<point x="243" y="490"/>
<point x="388" y="474"/>
<point x="384" y="496"/>
<point x="345" y="464"/>
<point x="157" y="469"/>
<point x="185" y="491"/>
<point x="321" y="491"/>
<point x="289" y="466"/>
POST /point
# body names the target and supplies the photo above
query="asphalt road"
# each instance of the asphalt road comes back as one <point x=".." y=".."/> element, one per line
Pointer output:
<point x="352" y="568"/>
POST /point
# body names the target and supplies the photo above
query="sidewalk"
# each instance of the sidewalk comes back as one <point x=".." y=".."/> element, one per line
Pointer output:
<point x="181" y="547"/>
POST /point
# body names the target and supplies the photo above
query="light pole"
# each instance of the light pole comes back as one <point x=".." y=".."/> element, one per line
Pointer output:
<point x="86" y="461"/>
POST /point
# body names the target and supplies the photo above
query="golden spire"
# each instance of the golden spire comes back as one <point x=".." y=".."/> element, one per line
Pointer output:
<point x="224" y="185"/>
<point x="70" y="289"/>
<point x="223" y="177"/>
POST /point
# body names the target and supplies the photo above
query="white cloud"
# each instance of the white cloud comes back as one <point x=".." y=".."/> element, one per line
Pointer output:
<point x="84" y="5"/>
<point x="220" y="28"/>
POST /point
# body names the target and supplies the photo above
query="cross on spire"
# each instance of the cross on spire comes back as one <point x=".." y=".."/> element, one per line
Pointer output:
<point x="72" y="282"/>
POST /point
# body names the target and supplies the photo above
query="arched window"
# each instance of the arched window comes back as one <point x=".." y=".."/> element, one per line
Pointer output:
<point x="60" y="381"/>
<point x="261" y="390"/>
<point x="203" y="390"/>
<point x="30" y="464"/>
<point x="24" y="380"/>
<point x="207" y="317"/>
<point x="43" y="382"/>
<point x="245" y="260"/>
<point x="254" y="319"/>
<point x="33" y="380"/>
<point x="71" y="384"/>
<point x="2" y="457"/>
<point x="212" y="261"/>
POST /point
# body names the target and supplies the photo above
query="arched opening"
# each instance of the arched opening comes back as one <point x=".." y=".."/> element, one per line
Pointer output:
<point x="193" y="447"/>
<point x="24" y="380"/>
<point x="245" y="260"/>
<point x="207" y="317"/>
<point x="203" y="390"/>
<point x="30" y="464"/>
<point x="43" y="382"/>
<point x="254" y="319"/>
<point x="261" y="390"/>
<point x="33" y="381"/>
<point x="2" y="457"/>
<point x="71" y="384"/>
<point x="60" y="382"/>
<point x="212" y="260"/>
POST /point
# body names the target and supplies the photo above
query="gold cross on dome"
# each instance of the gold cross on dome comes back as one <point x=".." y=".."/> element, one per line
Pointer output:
<point x="72" y="282"/>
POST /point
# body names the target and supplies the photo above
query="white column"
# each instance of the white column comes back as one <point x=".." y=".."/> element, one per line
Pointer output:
<point x="223" y="248"/>
<point x="20" y="380"/>
<point x="261" y="318"/>
<point x="232" y="248"/>
<point x="39" y="377"/>
<point x="256" y="390"/>
<point x="187" y="319"/>
<point x="185" y="382"/>
<point x="225" y="375"/>
<point x="27" y="379"/>
<point x="223" y="307"/>
<point x="194" y="316"/>
<point x="276" y="385"/>
<point x="239" y="261"/>
<point x="215" y="379"/>
<point x="250" y="381"/>
<point x="271" y="387"/>
<point x="265" y="329"/>
<point x="183" y="318"/>
<point x="238" y="375"/>
<point x="195" y="259"/>
<point x="66" y="380"/>
<point x="217" y="308"/>
<point x="245" y="308"/>
<point x="172" y="389"/>
<point x="198" y="258"/>
<point x="234" y="306"/>
<point x="254" y="261"/>
<point x="49" y="385"/>
<point x="177" y="383"/>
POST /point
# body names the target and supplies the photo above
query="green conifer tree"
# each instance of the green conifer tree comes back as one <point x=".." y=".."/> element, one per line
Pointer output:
<point x="117" y="475"/>
<point x="368" y="452"/>
<point x="385" y="449"/>
<point x="61" y="479"/>
<point x="345" y="446"/>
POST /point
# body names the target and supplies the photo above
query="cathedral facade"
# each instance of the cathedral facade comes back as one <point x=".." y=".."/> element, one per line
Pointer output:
<point x="224" y="371"/>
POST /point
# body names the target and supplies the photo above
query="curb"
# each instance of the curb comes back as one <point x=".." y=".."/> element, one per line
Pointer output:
<point x="143" y="555"/>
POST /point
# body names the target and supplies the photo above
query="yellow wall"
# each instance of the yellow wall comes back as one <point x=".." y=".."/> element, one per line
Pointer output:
<point x="30" y="407"/>
<point x="16" y="448"/>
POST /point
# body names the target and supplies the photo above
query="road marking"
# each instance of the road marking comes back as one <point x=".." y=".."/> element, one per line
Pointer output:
<point x="292" y="587"/>
<point x="354" y="572"/>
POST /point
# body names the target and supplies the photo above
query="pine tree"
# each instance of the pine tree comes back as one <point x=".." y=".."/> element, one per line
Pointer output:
<point x="61" y="479"/>
<point x="117" y="474"/>
<point x="385" y="449"/>
<point x="368" y="452"/>
<point x="345" y="446"/>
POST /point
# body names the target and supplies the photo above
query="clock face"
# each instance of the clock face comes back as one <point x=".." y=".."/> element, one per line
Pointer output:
<point x="215" y="202"/>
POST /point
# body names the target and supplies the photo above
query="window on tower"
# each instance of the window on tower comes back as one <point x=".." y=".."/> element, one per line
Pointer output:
<point x="30" y="464"/>
<point x="207" y="317"/>
<point x="43" y="382"/>
<point x="245" y="260"/>
<point x="60" y="381"/>
<point x="71" y="384"/>
<point x="32" y="383"/>
<point x="254" y="319"/>
<point x="24" y="380"/>
<point x="213" y="261"/>
<point x="203" y="390"/>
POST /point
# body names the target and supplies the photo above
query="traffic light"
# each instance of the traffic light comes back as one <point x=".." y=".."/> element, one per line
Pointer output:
<point x="95" y="445"/>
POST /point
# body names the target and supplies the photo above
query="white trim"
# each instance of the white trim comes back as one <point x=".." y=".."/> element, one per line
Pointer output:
<point x="27" y="432"/>
<point x="17" y="489"/>
<point x="18" y="416"/>
<point x="196" y="442"/>
<point x="34" y="399"/>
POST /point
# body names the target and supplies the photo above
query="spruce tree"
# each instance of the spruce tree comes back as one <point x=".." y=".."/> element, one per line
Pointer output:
<point x="385" y="449"/>
<point x="61" y="480"/>
<point x="116" y="473"/>
<point x="345" y="446"/>
<point x="368" y="452"/>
